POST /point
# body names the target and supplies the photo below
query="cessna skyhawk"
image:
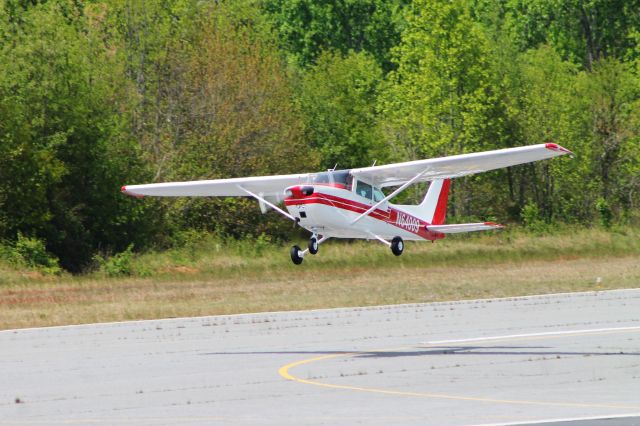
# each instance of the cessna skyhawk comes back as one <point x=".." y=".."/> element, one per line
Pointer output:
<point x="351" y="204"/>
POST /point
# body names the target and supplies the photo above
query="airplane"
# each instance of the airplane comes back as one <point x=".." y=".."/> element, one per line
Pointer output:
<point x="351" y="204"/>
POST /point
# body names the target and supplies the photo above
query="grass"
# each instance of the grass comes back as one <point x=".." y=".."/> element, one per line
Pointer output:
<point x="208" y="277"/>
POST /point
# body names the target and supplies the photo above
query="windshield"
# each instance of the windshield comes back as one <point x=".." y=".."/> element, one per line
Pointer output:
<point x="339" y="176"/>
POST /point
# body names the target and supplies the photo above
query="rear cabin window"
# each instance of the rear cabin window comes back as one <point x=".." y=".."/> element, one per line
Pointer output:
<point x="378" y="195"/>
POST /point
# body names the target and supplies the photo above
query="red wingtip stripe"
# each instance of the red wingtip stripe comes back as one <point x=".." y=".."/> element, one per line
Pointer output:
<point x="497" y="225"/>
<point x="124" y="191"/>
<point x="557" y="148"/>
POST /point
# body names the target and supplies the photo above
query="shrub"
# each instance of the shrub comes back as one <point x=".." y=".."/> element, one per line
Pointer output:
<point x="117" y="265"/>
<point x="32" y="253"/>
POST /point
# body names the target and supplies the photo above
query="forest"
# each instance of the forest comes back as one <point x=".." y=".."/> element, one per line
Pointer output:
<point x="98" y="94"/>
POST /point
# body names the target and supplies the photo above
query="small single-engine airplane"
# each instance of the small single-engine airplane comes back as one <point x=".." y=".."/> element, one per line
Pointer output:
<point x="351" y="204"/>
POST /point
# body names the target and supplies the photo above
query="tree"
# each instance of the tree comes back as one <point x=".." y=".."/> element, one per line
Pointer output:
<point x="610" y="99"/>
<point x="309" y="27"/>
<point x="64" y="134"/>
<point x="584" y="31"/>
<point x="227" y="112"/>
<point x="441" y="99"/>
<point x="338" y="98"/>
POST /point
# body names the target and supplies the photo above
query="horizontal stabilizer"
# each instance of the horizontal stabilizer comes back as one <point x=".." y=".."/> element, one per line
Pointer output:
<point x="464" y="227"/>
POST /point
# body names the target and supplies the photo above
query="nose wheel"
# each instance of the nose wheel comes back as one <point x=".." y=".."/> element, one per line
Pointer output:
<point x="397" y="246"/>
<point x="296" y="255"/>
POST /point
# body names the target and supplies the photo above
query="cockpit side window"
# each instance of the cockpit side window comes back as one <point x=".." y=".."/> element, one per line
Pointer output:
<point x="363" y="189"/>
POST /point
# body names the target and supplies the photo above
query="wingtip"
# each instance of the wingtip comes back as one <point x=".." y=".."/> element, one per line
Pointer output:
<point x="124" y="190"/>
<point x="495" y="225"/>
<point x="558" y="148"/>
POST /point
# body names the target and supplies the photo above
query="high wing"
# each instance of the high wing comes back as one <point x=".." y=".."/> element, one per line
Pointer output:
<point x="387" y="175"/>
<point x="457" y="165"/>
<point x="267" y="186"/>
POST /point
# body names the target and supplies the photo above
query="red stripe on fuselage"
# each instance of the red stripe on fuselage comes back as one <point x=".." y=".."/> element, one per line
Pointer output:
<point x="397" y="218"/>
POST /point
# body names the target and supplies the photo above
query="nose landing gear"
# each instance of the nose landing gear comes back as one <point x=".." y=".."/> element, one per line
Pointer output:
<point x="297" y="255"/>
<point x="313" y="246"/>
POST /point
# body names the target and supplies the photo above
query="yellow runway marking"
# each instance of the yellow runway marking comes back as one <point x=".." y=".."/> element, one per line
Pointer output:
<point x="284" y="371"/>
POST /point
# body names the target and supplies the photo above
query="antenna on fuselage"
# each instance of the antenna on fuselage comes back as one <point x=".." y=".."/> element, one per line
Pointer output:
<point x="334" y="168"/>
<point x="374" y="163"/>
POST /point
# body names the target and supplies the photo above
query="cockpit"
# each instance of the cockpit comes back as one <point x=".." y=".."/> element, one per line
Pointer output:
<point x="369" y="192"/>
<point x="343" y="179"/>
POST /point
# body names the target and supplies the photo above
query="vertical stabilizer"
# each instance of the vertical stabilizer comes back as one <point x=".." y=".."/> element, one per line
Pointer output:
<point x="433" y="208"/>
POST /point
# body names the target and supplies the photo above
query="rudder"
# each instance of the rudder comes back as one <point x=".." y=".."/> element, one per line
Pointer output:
<point x="433" y="208"/>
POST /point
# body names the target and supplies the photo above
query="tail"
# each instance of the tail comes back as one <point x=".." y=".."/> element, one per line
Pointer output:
<point x="433" y="208"/>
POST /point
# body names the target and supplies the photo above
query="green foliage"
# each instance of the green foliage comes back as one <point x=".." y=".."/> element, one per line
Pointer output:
<point x="582" y="31"/>
<point x="97" y="94"/>
<point x="441" y="99"/>
<point x="306" y="28"/>
<point x="120" y="264"/>
<point x="604" y="211"/>
<point x="65" y="143"/>
<point x="532" y="219"/>
<point x="32" y="253"/>
<point x="338" y="101"/>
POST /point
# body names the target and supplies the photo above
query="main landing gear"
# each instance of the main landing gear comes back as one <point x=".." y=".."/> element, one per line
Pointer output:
<point x="313" y="246"/>
<point x="397" y="246"/>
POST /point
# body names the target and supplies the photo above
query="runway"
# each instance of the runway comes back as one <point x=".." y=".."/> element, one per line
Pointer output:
<point x="550" y="358"/>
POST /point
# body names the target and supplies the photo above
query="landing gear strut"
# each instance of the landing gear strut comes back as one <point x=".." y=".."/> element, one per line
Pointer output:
<point x="397" y="246"/>
<point x="296" y="255"/>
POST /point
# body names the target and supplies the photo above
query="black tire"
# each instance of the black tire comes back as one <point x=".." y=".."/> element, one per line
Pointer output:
<point x="397" y="246"/>
<point x="313" y="245"/>
<point x="295" y="255"/>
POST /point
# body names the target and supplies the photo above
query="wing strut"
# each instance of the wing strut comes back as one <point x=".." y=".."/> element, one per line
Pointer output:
<point x="390" y="196"/>
<point x="262" y="200"/>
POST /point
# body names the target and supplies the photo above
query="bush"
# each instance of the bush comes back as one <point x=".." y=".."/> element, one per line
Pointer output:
<point x="532" y="221"/>
<point x="31" y="253"/>
<point x="604" y="211"/>
<point x="119" y="264"/>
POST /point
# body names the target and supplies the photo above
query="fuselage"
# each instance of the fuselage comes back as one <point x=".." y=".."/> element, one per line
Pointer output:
<point x="329" y="209"/>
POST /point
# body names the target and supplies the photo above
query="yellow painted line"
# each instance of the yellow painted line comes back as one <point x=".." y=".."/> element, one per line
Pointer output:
<point x="284" y="371"/>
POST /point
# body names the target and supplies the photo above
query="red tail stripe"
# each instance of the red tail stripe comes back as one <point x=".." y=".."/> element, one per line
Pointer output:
<point x="441" y="207"/>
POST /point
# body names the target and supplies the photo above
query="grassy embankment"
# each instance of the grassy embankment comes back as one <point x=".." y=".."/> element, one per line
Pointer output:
<point x="207" y="277"/>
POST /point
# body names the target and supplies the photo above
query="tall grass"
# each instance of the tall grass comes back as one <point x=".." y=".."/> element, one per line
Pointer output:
<point x="206" y="275"/>
<point x="210" y="256"/>
<point x="205" y="255"/>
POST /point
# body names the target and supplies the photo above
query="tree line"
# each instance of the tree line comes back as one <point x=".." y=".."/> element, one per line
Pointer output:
<point x="97" y="94"/>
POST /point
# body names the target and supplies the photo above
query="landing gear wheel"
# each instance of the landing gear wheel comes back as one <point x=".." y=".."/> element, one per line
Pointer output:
<point x="295" y="255"/>
<point x="397" y="246"/>
<point x="313" y="245"/>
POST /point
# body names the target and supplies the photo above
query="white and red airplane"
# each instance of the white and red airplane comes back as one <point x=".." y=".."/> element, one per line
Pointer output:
<point x="351" y="204"/>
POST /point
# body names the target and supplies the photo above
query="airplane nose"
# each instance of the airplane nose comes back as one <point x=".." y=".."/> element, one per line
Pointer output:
<point x="298" y="191"/>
